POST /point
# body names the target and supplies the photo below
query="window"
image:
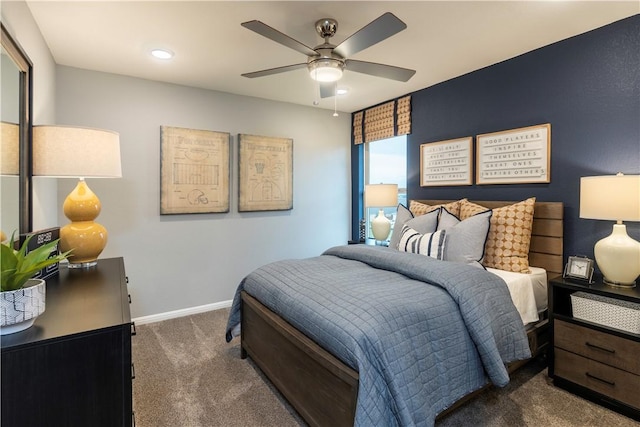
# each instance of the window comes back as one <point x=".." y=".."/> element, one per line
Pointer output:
<point x="385" y="162"/>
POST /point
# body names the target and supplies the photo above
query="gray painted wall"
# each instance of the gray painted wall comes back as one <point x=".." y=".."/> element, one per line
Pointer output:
<point x="181" y="261"/>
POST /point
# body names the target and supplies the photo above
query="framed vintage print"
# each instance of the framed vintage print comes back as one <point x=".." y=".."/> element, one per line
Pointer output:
<point x="194" y="171"/>
<point x="265" y="173"/>
<point x="446" y="162"/>
<point x="517" y="156"/>
<point x="578" y="267"/>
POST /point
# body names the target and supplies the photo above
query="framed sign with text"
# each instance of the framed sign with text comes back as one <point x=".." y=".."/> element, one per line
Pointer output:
<point x="517" y="156"/>
<point x="446" y="162"/>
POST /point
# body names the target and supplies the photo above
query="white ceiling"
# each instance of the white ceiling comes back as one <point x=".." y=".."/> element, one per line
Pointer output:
<point x="443" y="39"/>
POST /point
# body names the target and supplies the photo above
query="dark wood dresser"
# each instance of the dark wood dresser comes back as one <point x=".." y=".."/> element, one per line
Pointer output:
<point x="73" y="366"/>
<point x="594" y="361"/>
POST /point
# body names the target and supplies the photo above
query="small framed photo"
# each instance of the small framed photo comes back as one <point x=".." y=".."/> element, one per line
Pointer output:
<point x="580" y="268"/>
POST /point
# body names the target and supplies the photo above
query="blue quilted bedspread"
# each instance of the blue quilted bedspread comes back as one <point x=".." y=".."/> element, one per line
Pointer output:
<point x="421" y="333"/>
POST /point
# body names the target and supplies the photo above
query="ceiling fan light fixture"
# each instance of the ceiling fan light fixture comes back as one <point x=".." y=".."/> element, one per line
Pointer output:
<point x="326" y="70"/>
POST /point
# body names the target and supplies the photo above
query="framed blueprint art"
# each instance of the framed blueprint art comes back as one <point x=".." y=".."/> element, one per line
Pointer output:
<point x="194" y="171"/>
<point x="265" y="173"/>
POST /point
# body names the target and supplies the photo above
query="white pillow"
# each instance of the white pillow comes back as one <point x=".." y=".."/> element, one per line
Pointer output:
<point x="429" y="244"/>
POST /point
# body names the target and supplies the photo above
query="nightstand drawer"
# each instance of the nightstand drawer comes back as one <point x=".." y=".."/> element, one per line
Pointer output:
<point x="609" y="349"/>
<point x="604" y="379"/>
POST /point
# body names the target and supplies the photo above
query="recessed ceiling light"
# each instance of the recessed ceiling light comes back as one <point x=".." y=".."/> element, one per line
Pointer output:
<point x="342" y="91"/>
<point x="162" y="53"/>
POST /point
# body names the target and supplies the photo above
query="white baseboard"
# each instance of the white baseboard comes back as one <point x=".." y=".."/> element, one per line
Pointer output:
<point x="181" y="313"/>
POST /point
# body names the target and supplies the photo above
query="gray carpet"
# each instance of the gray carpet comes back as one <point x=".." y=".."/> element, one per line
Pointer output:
<point x="188" y="376"/>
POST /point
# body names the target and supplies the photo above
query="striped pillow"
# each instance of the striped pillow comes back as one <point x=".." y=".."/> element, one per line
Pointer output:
<point x="429" y="244"/>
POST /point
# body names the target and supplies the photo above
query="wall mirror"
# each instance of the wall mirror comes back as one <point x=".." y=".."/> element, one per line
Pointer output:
<point x="15" y="139"/>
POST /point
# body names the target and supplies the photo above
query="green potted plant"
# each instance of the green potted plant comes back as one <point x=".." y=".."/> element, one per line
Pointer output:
<point x="22" y="298"/>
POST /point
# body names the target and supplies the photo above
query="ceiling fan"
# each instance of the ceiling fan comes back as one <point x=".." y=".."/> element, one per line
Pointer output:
<point x="326" y="62"/>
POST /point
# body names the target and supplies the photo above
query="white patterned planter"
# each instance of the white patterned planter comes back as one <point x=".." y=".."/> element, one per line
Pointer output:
<point x="19" y="308"/>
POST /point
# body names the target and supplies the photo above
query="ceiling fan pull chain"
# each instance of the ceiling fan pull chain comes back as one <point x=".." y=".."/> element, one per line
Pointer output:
<point x="316" y="101"/>
<point x="335" y="100"/>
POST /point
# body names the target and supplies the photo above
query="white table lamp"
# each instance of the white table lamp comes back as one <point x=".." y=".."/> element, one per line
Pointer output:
<point x="76" y="152"/>
<point x="614" y="198"/>
<point x="380" y="196"/>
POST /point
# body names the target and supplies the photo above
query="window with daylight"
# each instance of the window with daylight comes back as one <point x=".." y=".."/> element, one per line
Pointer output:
<point x="385" y="162"/>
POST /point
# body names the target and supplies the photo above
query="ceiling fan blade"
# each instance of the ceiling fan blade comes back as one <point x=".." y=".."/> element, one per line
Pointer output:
<point x="276" y="70"/>
<point x="380" y="70"/>
<point x="377" y="30"/>
<point x="327" y="89"/>
<point x="278" y="37"/>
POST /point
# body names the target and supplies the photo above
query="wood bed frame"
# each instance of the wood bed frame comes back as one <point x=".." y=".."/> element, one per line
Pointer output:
<point x="324" y="390"/>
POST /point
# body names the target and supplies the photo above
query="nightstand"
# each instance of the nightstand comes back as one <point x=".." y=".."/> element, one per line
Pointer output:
<point x="597" y="362"/>
<point x="370" y="242"/>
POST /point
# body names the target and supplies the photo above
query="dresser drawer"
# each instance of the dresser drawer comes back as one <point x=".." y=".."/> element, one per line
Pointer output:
<point x="609" y="349"/>
<point x="612" y="382"/>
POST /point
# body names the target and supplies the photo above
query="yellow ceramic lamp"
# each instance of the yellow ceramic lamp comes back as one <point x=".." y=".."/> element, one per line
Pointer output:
<point x="60" y="152"/>
<point x="86" y="237"/>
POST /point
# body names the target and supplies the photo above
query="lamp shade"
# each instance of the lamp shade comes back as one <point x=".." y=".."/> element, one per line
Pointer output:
<point x="9" y="148"/>
<point x="76" y="152"/>
<point x="380" y="195"/>
<point x="610" y="197"/>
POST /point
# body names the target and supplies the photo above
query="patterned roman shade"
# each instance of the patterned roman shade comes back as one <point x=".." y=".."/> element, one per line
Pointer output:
<point x="386" y="120"/>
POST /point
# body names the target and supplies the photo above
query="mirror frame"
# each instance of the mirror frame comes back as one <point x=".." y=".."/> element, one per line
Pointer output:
<point x="22" y="61"/>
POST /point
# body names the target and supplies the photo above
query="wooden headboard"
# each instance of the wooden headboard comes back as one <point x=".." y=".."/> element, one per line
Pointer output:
<point x="547" y="237"/>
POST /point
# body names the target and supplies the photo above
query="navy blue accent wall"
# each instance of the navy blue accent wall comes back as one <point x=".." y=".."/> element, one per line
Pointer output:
<point x="587" y="87"/>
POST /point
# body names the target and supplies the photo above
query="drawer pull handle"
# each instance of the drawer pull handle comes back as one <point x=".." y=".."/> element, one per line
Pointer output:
<point x="133" y="371"/>
<point x="593" y="377"/>
<point x="597" y="347"/>
<point x="133" y="329"/>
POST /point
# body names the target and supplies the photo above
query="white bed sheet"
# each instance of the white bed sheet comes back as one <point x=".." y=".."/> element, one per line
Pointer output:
<point x="528" y="291"/>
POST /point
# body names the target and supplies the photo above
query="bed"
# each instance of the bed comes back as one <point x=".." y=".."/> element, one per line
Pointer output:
<point x="323" y="384"/>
